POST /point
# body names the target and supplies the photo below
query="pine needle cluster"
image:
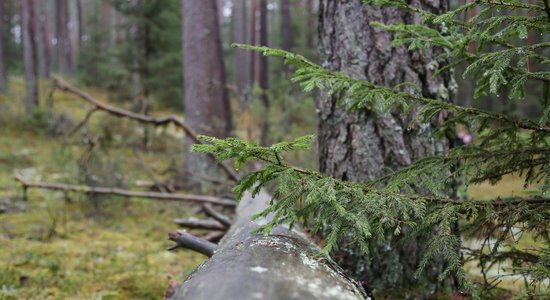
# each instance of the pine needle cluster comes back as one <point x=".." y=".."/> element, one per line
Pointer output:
<point x="504" y="145"/>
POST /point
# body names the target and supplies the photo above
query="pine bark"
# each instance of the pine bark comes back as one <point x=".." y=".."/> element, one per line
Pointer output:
<point x="363" y="145"/>
<point x="3" y="39"/>
<point x="29" y="55"/>
<point x="207" y="107"/>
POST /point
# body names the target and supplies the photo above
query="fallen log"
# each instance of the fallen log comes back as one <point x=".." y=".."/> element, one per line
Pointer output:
<point x="125" y="193"/>
<point x="281" y="265"/>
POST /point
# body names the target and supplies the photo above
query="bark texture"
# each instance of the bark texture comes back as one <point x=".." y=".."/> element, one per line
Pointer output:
<point x="364" y="145"/>
<point x="29" y="55"/>
<point x="207" y="108"/>
<point x="281" y="265"/>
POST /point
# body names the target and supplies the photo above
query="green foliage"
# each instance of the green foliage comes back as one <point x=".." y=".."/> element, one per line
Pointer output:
<point x="416" y="196"/>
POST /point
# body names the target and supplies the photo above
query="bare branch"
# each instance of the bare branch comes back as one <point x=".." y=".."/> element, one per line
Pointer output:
<point x="213" y="236"/>
<point x="160" y="121"/>
<point x="191" y="242"/>
<point x="211" y="212"/>
<point x="194" y="223"/>
<point x="126" y="193"/>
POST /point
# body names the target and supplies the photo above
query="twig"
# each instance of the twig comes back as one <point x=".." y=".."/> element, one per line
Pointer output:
<point x="160" y="121"/>
<point x="83" y="122"/>
<point x="191" y="242"/>
<point x="125" y="193"/>
<point x="194" y="223"/>
<point x="211" y="212"/>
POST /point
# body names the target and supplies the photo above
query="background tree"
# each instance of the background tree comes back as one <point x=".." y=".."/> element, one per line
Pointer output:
<point x="207" y="107"/>
<point x="29" y="55"/>
<point x="64" y="51"/>
<point x="4" y="33"/>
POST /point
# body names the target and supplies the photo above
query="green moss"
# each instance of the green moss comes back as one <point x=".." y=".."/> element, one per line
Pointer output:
<point x="52" y="247"/>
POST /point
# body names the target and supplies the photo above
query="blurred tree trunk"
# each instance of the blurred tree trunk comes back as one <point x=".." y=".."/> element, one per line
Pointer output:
<point x="286" y="28"/>
<point x="360" y="146"/>
<point x="286" y="25"/>
<point x="240" y="36"/>
<point x="39" y="23"/>
<point x="63" y="37"/>
<point x="309" y="19"/>
<point x="4" y="33"/>
<point x="264" y="74"/>
<point x="254" y="55"/>
<point x="207" y="107"/>
<point x="29" y="55"/>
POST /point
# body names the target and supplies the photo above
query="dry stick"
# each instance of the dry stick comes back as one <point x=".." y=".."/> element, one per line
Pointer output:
<point x="211" y="212"/>
<point x="213" y="236"/>
<point x="64" y="86"/>
<point x="191" y="242"/>
<point x="194" y="223"/>
<point x="125" y="193"/>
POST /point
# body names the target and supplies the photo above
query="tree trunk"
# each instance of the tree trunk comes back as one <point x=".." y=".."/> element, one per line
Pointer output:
<point x="254" y="55"/>
<point x="359" y="146"/>
<point x="63" y="37"/>
<point x="240" y="36"/>
<point x="309" y="19"/>
<point x="264" y="74"/>
<point x="286" y="28"/>
<point x="281" y="265"/>
<point x="3" y="39"/>
<point x="39" y="23"/>
<point x="29" y="56"/>
<point x="207" y="107"/>
<point x="286" y="25"/>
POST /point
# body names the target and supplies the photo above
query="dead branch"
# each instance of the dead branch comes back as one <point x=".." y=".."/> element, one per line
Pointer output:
<point x="191" y="242"/>
<point x="211" y="212"/>
<point x="213" y="236"/>
<point x="160" y="121"/>
<point x="126" y="193"/>
<point x="194" y="223"/>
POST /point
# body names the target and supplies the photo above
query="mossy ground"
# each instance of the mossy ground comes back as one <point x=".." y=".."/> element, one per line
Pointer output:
<point x="56" y="246"/>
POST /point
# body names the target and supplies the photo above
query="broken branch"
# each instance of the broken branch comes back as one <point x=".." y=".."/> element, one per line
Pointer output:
<point x="194" y="223"/>
<point x="191" y="242"/>
<point x="211" y="212"/>
<point x="160" y="121"/>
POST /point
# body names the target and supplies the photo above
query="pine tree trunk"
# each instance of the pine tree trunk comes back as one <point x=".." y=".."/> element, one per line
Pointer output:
<point x="363" y="145"/>
<point x="29" y="55"/>
<point x="3" y="39"/>
<point x="264" y="74"/>
<point x="39" y="23"/>
<point x="240" y="36"/>
<point x="207" y="107"/>
<point x="63" y="37"/>
<point x="254" y="55"/>
<point x="286" y="24"/>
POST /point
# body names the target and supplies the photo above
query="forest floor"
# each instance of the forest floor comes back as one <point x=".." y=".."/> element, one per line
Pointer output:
<point x="56" y="246"/>
<point x="53" y="247"/>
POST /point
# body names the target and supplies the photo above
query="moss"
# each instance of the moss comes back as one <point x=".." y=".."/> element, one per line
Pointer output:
<point x="53" y="247"/>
